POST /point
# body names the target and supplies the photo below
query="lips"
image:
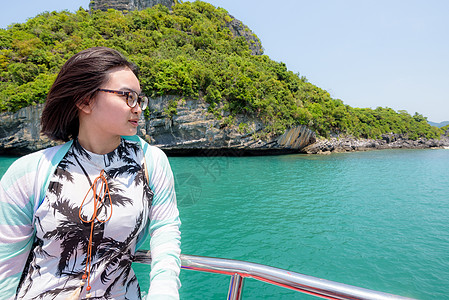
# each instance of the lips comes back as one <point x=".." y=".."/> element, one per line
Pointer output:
<point x="134" y="122"/>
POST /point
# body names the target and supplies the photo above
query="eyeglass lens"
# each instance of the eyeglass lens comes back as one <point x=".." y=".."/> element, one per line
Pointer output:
<point x="132" y="98"/>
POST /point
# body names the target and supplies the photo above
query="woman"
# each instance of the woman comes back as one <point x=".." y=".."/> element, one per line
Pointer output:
<point x="72" y="216"/>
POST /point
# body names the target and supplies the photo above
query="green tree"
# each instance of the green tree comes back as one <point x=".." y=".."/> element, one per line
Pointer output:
<point x="189" y="52"/>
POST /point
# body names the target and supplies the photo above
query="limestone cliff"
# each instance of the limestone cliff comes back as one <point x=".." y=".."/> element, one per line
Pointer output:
<point x="191" y="131"/>
<point x="238" y="29"/>
<point x="20" y="131"/>
<point x="194" y="131"/>
<point x="128" y="4"/>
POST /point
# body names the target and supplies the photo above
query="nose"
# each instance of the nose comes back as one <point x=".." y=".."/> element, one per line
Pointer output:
<point x="136" y="109"/>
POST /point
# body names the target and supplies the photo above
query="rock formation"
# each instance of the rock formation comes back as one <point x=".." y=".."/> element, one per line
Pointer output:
<point x="195" y="131"/>
<point x="128" y="4"/>
<point x="238" y="29"/>
<point x="20" y="131"/>
<point x="192" y="130"/>
<point x="388" y="141"/>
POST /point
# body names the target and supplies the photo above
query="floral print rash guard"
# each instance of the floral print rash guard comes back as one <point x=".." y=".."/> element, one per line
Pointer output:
<point x="59" y="255"/>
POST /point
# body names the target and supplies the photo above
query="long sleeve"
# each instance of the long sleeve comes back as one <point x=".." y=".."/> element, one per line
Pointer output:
<point x="164" y="231"/>
<point x="21" y="189"/>
<point x="16" y="224"/>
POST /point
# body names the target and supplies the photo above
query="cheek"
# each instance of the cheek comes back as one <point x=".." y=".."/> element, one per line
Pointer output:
<point x="111" y="108"/>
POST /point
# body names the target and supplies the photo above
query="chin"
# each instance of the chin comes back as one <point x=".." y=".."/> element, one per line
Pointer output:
<point x="132" y="132"/>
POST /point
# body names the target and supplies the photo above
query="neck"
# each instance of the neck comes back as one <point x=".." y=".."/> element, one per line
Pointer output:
<point x="99" y="145"/>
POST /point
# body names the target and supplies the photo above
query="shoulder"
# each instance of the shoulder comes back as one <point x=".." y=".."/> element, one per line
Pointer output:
<point x="29" y="164"/>
<point x="151" y="153"/>
<point x="157" y="163"/>
<point x="22" y="166"/>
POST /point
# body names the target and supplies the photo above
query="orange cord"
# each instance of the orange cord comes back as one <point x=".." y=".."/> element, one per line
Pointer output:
<point x="98" y="200"/>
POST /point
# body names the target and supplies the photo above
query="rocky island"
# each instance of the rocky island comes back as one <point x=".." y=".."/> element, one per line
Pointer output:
<point x="193" y="131"/>
<point x="212" y="91"/>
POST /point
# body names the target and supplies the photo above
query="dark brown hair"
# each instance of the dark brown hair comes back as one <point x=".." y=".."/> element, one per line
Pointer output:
<point x="76" y="84"/>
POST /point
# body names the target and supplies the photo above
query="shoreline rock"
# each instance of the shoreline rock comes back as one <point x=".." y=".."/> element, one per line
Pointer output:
<point x="193" y="131"/>
<point x="20" y="132"/>
<point x="390" y="141"/>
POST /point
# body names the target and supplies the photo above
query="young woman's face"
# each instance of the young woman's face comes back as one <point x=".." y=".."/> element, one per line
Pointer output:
<point x="110" y="114"/>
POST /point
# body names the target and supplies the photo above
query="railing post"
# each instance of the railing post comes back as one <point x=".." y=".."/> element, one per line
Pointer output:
<point x="235" y="287"/>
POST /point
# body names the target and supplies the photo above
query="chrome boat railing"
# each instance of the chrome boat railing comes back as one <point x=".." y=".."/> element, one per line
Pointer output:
<point x="239" y="270"/>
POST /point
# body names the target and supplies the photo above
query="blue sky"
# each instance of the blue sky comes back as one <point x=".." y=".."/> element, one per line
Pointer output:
<point x="370" y="53"/>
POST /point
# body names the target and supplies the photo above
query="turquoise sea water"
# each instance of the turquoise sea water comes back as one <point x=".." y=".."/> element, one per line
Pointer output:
<point x="377" y="219"/>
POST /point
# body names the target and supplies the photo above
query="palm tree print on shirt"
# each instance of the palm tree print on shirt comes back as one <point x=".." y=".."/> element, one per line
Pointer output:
<point x="60" y="229"/>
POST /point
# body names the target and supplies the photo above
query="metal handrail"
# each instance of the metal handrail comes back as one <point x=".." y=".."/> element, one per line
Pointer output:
<point x="238" y="270"/>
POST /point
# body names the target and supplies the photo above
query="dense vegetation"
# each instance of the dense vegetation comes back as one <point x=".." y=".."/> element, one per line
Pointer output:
<point x="188" y="52"/>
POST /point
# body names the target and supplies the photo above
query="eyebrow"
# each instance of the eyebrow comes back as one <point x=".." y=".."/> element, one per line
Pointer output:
<point x="130" y="90"/>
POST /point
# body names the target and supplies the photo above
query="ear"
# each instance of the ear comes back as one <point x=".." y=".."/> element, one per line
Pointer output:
<point x="85" y="106"/>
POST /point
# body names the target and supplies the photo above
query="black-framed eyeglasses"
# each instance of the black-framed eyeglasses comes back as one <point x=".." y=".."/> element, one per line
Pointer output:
<point x="132" y="98"/>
